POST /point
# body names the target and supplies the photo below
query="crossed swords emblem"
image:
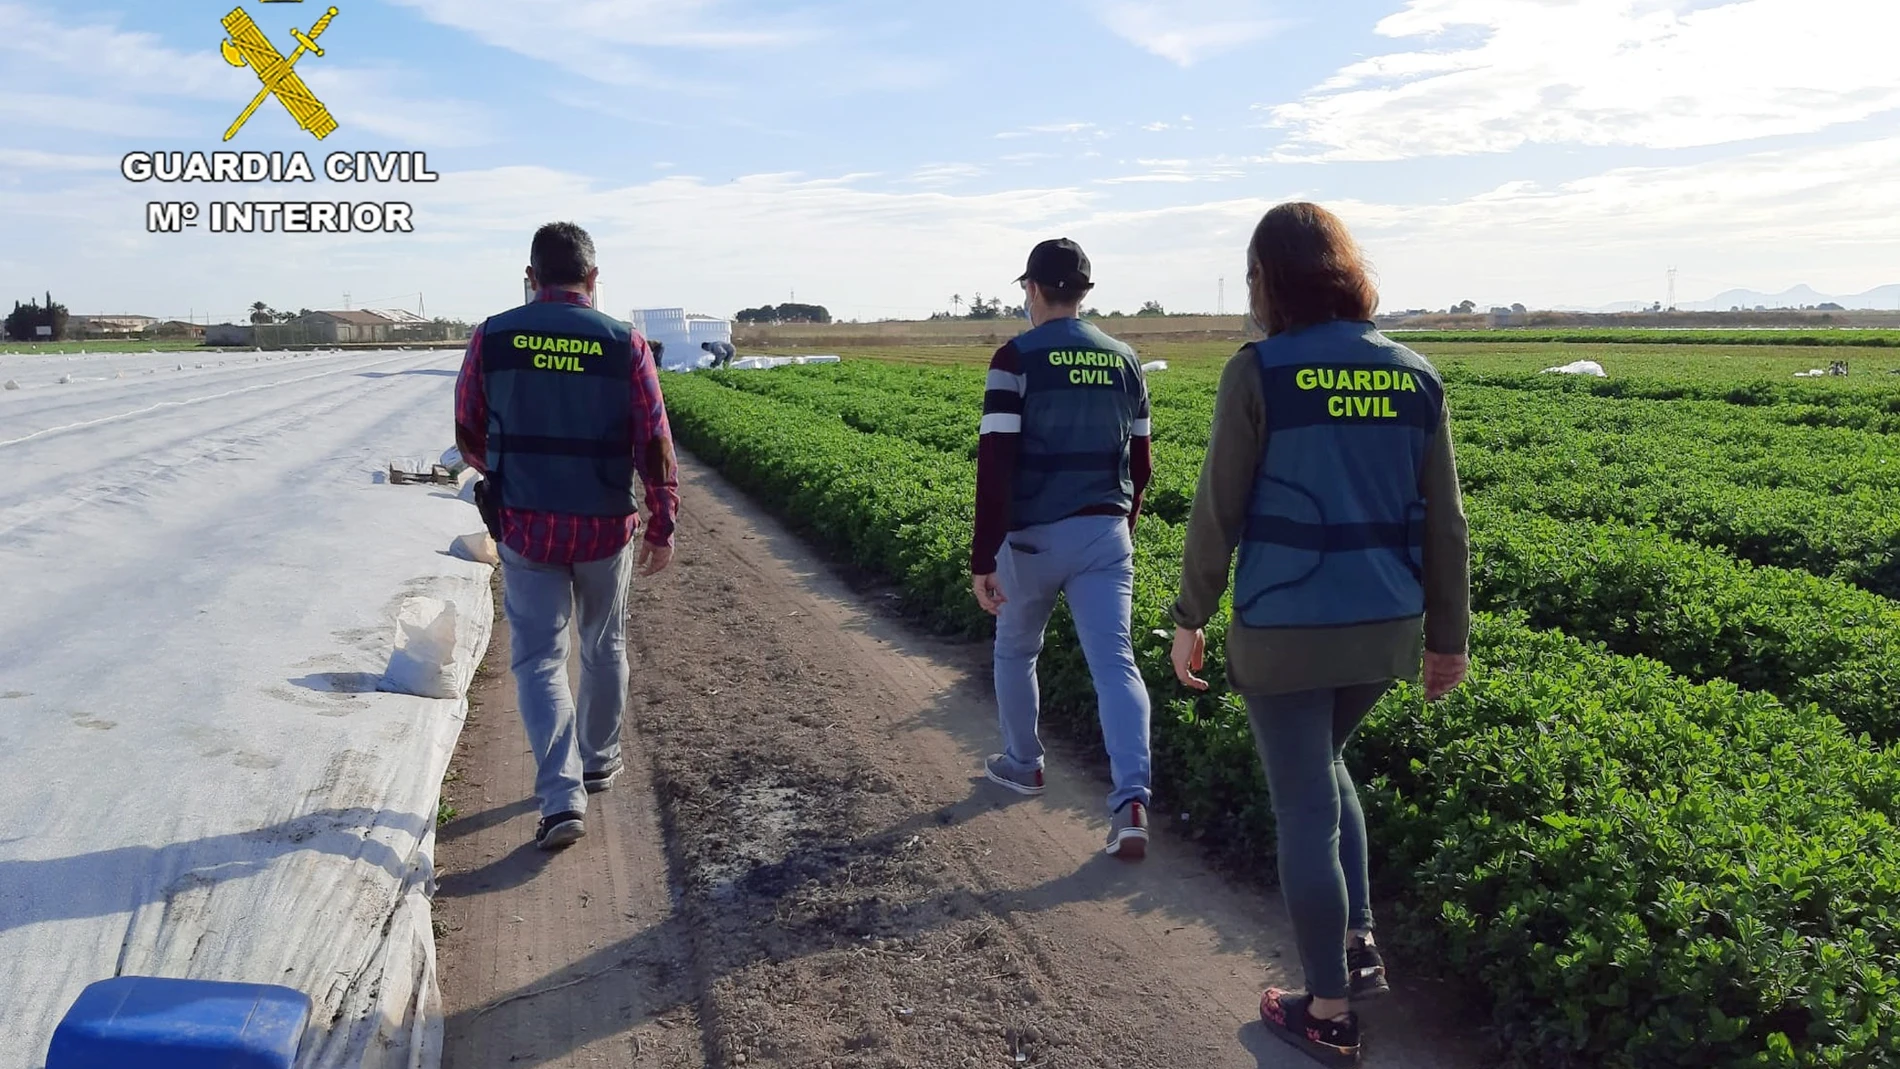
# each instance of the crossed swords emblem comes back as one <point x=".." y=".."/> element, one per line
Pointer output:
<point x="248" y="45"/>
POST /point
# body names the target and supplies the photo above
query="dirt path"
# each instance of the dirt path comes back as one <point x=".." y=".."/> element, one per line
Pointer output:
<point x="811" y="872"/>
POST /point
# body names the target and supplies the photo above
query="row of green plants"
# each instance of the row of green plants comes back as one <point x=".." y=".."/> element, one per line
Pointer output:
<point x="1637" y="869"/>
<point x="1841" y="338"/>
<point x="1634" y="588"/>
<point x="1702" y="613"/>
<point x="1814" y="500"/>
<point x="1870" y="400"/>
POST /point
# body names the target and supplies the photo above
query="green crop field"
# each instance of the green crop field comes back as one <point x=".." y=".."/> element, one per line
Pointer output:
<point x="1657" y="825"/>
<point x="70" y="347"/>
<point x="1845" y="336"/>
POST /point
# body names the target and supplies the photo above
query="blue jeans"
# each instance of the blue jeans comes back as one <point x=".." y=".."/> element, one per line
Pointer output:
<point x="1091" y="560"/>
<point x="1317" y="820"/>
<point x="540" y="601"/>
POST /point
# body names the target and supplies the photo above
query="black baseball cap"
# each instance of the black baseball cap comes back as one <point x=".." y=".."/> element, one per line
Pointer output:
<point x="1058" y="264"/>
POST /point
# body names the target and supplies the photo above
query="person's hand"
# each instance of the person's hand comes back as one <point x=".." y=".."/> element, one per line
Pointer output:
<point x="989" y="592"/>
<point x="1190" y="650"/>
<point x="1443" y="673"/>
<point x="653" y="559"/>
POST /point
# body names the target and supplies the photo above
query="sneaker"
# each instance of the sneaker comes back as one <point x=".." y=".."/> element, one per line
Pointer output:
<point x="1128" y="831"/>
<point x="595" y="782"/>
<point x="997" y="770"/>
<point x="561" y="829"/>
<point x="1365" y="971"/>
<point x="1327" y="1042"/>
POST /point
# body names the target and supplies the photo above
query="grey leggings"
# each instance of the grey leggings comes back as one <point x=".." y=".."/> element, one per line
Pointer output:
<point x="1317" y="820"/>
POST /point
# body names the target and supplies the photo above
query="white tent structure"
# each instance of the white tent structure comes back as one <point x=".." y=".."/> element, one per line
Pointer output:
<point x="681" y="334"/>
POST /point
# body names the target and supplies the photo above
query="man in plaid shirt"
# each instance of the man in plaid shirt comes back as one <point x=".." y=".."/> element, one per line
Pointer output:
<point x="559" y="407"/>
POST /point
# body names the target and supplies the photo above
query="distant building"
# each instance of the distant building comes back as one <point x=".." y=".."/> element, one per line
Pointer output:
<point x="231" y="334"/>
<point x="368" y="326"/>
<point x="398" y="317"/>
<point x="337" y="328"/>
<point x="109" y="324"/>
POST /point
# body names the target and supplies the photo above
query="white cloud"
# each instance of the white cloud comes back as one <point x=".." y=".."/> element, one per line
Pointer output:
<point x="941" y="175"/>
<point x="97" y="78"/>
<point x="1069" y="131"/>
<point x="385" y="103"/>
<point x="868" y="246"/>
<point x="34" y="160"/>
<point x="595" y="38"/>
<point x="1649" y="73"/>
<point x="1822" y="214"/>
<point x="1188" y="31"/>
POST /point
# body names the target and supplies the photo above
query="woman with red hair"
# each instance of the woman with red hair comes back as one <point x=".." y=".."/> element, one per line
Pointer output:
<point x="1330" y="469"/>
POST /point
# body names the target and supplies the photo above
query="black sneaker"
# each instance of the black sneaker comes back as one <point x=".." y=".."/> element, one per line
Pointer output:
<point x="595" y="782"/>
<point x="561" y="829"/>
<point x="1365" y="971"/>
<point x="1327" y="1042"/>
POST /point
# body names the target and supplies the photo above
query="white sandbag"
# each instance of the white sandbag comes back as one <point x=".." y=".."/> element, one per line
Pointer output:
<point x="423" y="662"/>
<point x="66" y="379"/>
<point x="1155" y="365"/>
<point x="11" y="385"/>
<point x="452" y="459"/>
<point x="1581" y="367"/>
<point x="478" y="547"/>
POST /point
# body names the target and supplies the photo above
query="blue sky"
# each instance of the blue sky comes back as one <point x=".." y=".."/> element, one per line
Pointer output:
<point x="879" y="158"/>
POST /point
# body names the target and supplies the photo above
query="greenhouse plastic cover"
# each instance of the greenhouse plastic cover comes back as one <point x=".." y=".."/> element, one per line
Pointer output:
<point x="199" y="777"/>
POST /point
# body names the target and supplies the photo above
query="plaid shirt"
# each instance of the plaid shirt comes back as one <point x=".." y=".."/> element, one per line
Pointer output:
<point x="559" y="538"/>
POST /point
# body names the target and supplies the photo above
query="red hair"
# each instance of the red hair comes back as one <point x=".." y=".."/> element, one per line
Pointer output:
<point x="1310" y="269"/>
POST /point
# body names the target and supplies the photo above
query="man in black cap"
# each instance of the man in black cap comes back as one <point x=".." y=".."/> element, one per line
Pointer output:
<point x="1061" y="466"/>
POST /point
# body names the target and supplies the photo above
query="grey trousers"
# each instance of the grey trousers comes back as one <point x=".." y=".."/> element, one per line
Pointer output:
<point x="541" y="601"/>
<point x="1318" y="823"/>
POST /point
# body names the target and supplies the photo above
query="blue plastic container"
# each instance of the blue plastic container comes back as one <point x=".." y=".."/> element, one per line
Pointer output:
<point x="143" y="1022"/>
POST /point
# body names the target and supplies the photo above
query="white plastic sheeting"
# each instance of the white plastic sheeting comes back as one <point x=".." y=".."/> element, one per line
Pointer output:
<point x="760" y="363"/>
<point x="1580" y="367"/>
<point x="198" y="776"/>
<point x="1155" y="365"/>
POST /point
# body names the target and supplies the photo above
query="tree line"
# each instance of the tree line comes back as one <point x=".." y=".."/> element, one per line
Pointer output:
<point x="789" y="312"/>
<point x="26" y="320"/>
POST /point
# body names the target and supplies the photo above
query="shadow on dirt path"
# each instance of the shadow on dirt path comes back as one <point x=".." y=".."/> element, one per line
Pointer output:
<point x="819" y="876"/>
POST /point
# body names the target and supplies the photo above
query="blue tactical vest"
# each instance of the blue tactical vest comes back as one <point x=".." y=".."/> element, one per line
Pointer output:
<point x="1082" y="392"/>
<point x="560" y="427"/>
<point x="1335" y="530"/>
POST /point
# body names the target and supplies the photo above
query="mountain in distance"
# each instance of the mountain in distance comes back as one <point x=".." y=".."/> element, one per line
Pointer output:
<point x="1885" y="298"/>
<point x="1881" y="298"/>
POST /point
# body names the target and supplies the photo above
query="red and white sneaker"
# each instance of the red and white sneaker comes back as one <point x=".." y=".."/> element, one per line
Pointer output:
<point x="1128" y="831"/>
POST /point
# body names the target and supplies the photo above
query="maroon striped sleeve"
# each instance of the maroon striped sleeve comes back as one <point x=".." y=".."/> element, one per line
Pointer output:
<point x="996" y="457"/>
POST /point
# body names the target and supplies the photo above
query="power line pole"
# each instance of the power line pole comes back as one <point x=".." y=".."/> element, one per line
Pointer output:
<point x="346" y="302"/>
<point x="1220" y="302"/>
<point x="1672" y="289"/>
